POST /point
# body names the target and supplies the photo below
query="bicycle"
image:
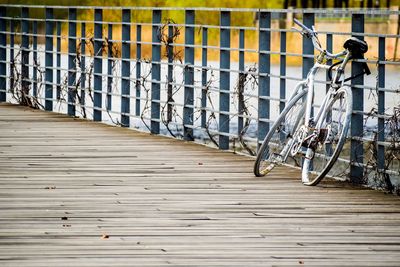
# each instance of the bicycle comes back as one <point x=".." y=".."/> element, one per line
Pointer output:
<point x="316" y="141"/>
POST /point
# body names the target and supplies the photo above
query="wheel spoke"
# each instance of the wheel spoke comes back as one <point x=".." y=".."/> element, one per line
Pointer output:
<point x="276" y="147"/>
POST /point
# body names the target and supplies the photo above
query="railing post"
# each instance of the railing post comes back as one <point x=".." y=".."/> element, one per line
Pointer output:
<point x="71" y="61"/>
<point x="308" y="48"/>
<point x="264" y="44"/>
<point x="170" y="54"/>
<point x="49" y="60"/>
<point x="35" y="58"/>
<point x="25" y="56"/>
<point x="225" y="64"/>
<point x="356" y="128"/>
<point x="126" y="67"/>
<point x="381" y="105"/>
<point x="3" y="55"/>
<point x="242" y="78"/>
<point x="155" y="72"/>
<point x="329" y="47"/>
<point x="12" y="60"/>
<point x="110" y="61"/>
<point x="189" y="76"/>
<point x="282" y="80"/>
<point x="204" y="43"/>
<point x="58" y="60"/>
<point x="83" y="63"/>
<point x="98" y="64"/>
<point x="138" y="66"/>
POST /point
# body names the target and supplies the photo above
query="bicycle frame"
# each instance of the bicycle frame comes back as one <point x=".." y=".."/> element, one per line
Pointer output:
<point x="309" y="83"/>
<point x="304" y="134"/>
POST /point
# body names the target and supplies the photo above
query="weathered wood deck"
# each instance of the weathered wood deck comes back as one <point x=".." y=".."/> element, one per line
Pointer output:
<point x="76" y="193"/>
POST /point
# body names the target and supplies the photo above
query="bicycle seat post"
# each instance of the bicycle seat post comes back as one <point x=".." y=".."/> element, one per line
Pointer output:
<point x="340" y="71"/>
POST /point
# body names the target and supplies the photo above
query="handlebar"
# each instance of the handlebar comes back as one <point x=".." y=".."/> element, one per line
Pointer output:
<point x="308" y="32"/>
<point x="313" y="35"/>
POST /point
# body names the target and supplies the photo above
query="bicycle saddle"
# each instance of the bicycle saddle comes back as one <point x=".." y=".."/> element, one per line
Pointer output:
<point x="356" y="46"/>
<point x="357" y="49"/>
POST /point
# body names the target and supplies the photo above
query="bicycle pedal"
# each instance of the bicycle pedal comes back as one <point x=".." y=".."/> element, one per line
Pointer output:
<point x="310" y="143"/>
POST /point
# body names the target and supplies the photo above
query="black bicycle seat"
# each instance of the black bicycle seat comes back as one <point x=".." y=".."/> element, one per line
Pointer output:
<point x="356" y="46"/>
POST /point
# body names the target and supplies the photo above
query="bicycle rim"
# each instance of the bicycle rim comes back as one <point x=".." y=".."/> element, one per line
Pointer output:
<point x="280" y="134"/>
<point x="336" y="120"/>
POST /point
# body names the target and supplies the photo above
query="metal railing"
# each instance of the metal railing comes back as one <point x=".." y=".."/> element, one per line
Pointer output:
<point x="200" y="73"/>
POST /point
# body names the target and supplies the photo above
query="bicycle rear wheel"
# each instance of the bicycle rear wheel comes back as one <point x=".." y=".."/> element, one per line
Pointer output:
<point x="332" y="135"/>
<point x="277" y="143"/>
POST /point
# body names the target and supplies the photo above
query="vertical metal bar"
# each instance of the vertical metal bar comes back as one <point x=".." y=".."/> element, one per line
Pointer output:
<point x="189" y="76"/>
<point x="381" y="104"/>
<point x="12" y="60"/>
<point x="71" y="61"/>
<point x="225" y="64"/>
<point x="110" y="66"/>
<point x="264" y="44"/>
<point x="308" y="62"/>
<point x="138" y="66"/>
<point x="126" y="67"/>
<point x="308" y="48"/>
<point x="204" y="42"/>
<point x="25" y="56"/>
<point x="83" y="63"/>
<point x="329" y="47"/>
<point x="58" y="60"/>
<point x="3" y="55"/>
<point x="170" y="53"/>
<point x="356" y="128"/>
<point x="35" y="59"/>
<point x="155" y="73"/>
<point x="49" y="59"/>
<point x="282" y="81"/>
<point x="242" y="78"/>
<point x="98" y="64"/>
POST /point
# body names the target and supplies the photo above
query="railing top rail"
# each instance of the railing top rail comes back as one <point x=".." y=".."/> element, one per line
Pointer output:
<point x="336" y="11"/>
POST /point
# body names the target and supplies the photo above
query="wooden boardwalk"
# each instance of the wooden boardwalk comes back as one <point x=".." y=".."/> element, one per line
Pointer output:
<point x="77" y="193"/>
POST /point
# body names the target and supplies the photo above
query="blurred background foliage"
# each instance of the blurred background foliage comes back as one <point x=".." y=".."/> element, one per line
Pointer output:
<point x="216" y="3"/>
<point x="236" y="20"/>
<point x="246" y="19"/>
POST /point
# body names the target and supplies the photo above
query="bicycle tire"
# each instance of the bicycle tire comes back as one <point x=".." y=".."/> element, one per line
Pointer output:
<point x="296" y="106"/>
<point x="319" y="161"/>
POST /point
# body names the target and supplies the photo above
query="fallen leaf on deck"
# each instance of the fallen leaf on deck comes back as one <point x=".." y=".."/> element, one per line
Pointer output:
<point x="50" y="187"/>
<point x="104" y="236"/>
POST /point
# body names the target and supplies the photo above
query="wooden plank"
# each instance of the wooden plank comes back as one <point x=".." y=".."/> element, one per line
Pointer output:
<point x="74" y="192"/>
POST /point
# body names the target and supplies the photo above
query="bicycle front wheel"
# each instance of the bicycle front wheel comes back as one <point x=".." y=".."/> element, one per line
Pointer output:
<point x="277" y="143"/>
<point x="321" y="156"/>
